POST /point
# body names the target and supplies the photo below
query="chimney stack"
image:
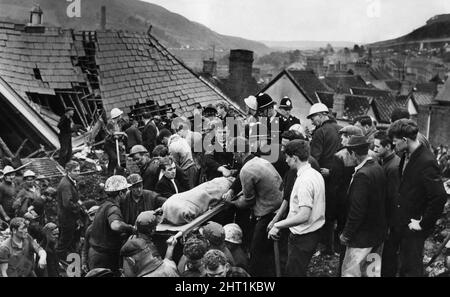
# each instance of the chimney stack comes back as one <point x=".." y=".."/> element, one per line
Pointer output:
<point x="103" y="18"/>
<point x="36" y="16"/>
<point x="210" y="67"/>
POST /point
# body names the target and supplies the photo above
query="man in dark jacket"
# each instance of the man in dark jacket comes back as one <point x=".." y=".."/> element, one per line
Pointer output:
<point x="149" y="132"/>
<point x="173" y="180"/>
<point x="324" y="144"/>
<point x="69" y="211"/>
<point x="284" y="114"/>
<point x="138" y="200"/>
<point x="420" y="201"/>
<point x="65" y="127"/>
<point x="134" y="136"/>
<point x="366" y="225"/>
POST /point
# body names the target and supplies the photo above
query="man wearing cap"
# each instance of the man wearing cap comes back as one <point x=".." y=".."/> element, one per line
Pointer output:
<point x="66" y="127"/>
<point x="252" y="107"/>
<point x="341" y="173"/>
<point x="108" y="226"/>
<point x="141" y="259"/>
<point x="8" y="191"/>
<point x="69" y="210"/>
<point x="366" y="226"/>
<point x="138" y="200"/>
<point x="284" y="115"/>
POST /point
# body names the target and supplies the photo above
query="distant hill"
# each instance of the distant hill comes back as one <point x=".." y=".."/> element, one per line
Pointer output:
<point x="172" y="29"/>
<point x="306" y="44"/>
<point x="431" y="30"/>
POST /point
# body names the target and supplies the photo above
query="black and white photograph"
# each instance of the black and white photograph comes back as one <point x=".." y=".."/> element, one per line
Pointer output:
<point x="252" y="139"/>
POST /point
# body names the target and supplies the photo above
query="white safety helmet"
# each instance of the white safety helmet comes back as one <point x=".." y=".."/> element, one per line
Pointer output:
<point x="317" y="108"/>
<point x="115" y="112"/>
<point x="8" y="169"/>
<point x="233" y="233"/>
<point x="251" y="102"/>
<point x="116" y="183"/>
<point x="29" y="173"/>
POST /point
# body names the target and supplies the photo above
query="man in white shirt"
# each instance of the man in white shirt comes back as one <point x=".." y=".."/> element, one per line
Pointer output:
<point x="306" y="210"/>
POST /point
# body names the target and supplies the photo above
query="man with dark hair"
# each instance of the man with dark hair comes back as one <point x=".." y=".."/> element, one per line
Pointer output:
<point x="366" y="124"/>
<point x="194" y="249"/>
<point x="173" y="180"/>
<point x="149" y="132"/>
<point x="366" y="225"/>
<point x="306" y="210"/>
<point x="402" y="113"/>
<point x="216" y="265"/>
<point x="134" y="136"/>
<point x="69" y="211"/>
<point x="384" y="148"/>
<point x="420" y="202"/>
<point x="17" y="253"/>
<point x="262" y="192"/>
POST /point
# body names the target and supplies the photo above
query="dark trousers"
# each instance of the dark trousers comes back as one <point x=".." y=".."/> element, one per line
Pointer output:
<point x="65" y="152"/>
<point x="110" y="150"/>
<point x="110" y="260"/>
<point x="262" y="260"/>
<point x="69" y="237"/>
<point x="403" y="253"/>
<point x="301" y="248"/>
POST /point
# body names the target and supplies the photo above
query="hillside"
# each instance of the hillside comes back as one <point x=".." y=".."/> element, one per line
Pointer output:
<point x="434" y="30"/>
<point x="306" y="44"/>
<point x="172" y="29"/>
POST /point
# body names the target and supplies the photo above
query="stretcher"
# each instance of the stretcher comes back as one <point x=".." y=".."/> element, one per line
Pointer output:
<point x="182" y="230"/>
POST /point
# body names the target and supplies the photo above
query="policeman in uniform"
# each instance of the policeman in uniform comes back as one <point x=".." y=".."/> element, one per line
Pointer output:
<point x="284" y="115"/>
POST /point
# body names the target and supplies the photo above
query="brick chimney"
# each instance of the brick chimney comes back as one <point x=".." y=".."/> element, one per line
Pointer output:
<point x="210" y="67"/>
<point x="103" y="18"/>
<point x="35" y="24"/>
<point x="241" y="62"/>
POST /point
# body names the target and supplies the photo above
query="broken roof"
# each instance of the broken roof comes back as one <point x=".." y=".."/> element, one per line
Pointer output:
<point x="135" y="68"/>
<point x="355" y="106"/>
<point x="128" y="69"/>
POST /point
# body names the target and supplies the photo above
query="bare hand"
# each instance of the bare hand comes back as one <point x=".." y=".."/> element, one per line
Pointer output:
<point x="7" y="218"/>
<point x="228" y="196"/>
<point x="225" y="172"/>
<point x="415" y="225"/>
<point x="325" y="171"/>
<point x="274" y="233"/>
<point x="42" y="263"/>
<point x="344" y="240"/>
<point x="270" y="226"/>
<point x="172" y="241"/>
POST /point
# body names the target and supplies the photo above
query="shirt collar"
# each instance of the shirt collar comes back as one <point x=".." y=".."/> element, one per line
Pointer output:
<point x="72" y="180"/>
<point x="363" y="163"/>
<point x="303" y="169"/>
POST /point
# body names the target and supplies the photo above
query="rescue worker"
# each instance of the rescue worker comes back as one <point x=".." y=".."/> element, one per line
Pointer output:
<point x="114" y="133"/>
<point x="66" y="127"/>
<point x="7" y="193"/>
<point x="105" y="240"/>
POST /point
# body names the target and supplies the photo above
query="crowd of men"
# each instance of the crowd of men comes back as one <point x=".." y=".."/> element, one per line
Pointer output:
<point x="369" y="196"/>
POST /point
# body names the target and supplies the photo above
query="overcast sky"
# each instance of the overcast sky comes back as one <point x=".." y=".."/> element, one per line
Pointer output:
<point x="330" y="20"/>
